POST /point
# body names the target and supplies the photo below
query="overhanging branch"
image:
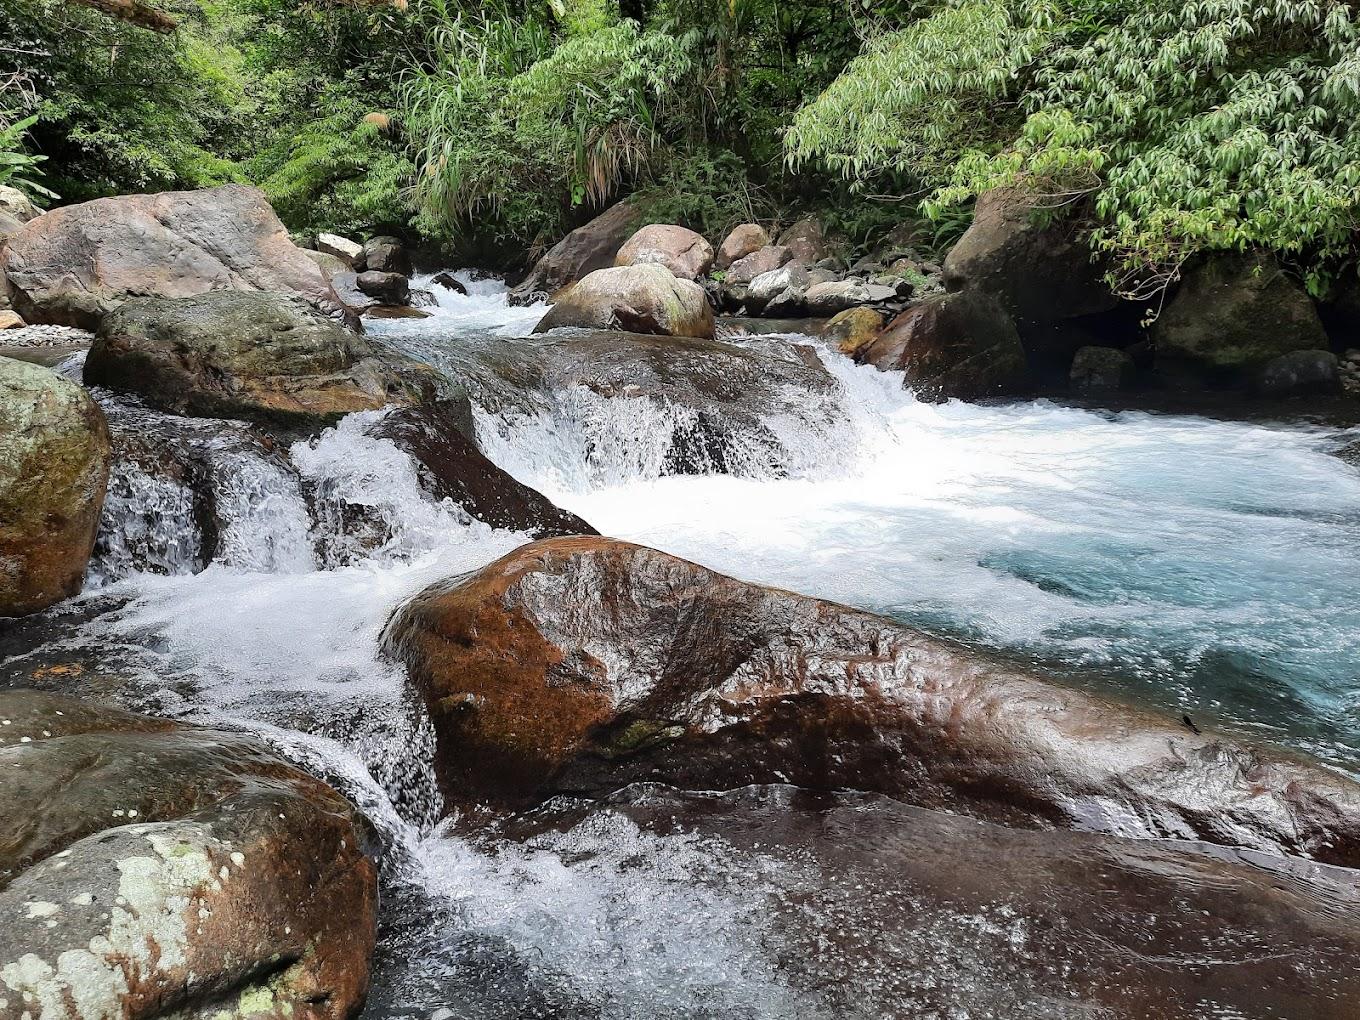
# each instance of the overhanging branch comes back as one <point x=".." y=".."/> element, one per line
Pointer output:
<point x="135" y="12"/>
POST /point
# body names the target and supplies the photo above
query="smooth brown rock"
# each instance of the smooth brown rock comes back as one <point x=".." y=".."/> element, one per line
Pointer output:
<point x="952" y="345"/>
<point x="263" y="357"/>
<point x="636" y="299"/>
<point x="586" y="664"/>
<point x="579" y="254"/>
<point x="11" y="320"/>
<point x="686" y="254"/>
<point x="150" y="869"/>
<point x="743" y="240"/>
<point x="806" y="241"/>
<point x="54" y="466"/>
<point x="74" y="265"/>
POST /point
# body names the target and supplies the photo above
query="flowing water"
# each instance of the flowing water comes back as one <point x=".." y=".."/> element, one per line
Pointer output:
<point x="1201" y="566"/>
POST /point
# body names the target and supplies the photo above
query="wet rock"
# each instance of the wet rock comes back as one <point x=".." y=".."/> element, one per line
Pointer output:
<point x="806" y="241"/>
<point x="637" y="299"/>
<point x="1040" y="273"/>
<point x="386" y="288"/>
<point x="952" y="345"/>
<point x="718" y="398"/>
<point x="1232" y="315"/>
<point x="338" y="247"/>
<point x="385" y="254"/>
<point x="580" y="253"/>
<point x="54" y="465"/>
<point x="686" y="254"/>
<point x="586" y="664"/>
<point x="439" y="436"/>
<point x="263" y="357"/>
<point x="764" y="260"/>
<point x="1102" y="370"/>
<point x="449" y="282"/>
<point x="1301" y="374"/>
<point x="423" y="299"/>
<point x="854" y="329"/>
<point x="833" y="297"/>
<point x="743" y="240"/>
<point x="75" y="264"/>
<point x="149" y="869"/>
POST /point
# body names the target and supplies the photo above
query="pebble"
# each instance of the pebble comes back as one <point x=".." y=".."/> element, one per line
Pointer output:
<point x="45" y="336"/>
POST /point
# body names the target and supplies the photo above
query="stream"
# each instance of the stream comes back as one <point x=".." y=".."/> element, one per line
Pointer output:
<point x="1199" y="566"/>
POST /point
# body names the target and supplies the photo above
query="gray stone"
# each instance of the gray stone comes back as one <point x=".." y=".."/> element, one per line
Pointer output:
<point x="1301" y="374"/>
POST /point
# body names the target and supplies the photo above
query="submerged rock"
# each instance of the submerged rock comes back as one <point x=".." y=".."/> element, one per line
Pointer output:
<point x="150" y="869"/>
<point x="439" y="437"/>
<point x="54" y="465"/>
<point x="719" y="399"/>
<point x="686" y="254"/>
<point x="263" y="357"/>
<point x="580" y="253"/>
<point x="1232" y="315"/>
<point x="583" y="665"/>
<point x="952" y="345"/>
<point x="75" y="264"/>
<point x="637" y="299"/>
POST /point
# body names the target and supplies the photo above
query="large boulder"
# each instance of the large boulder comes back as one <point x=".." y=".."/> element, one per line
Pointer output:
<point x="1102" y="370"/>
<point x="54" y="466"/>
<point x="387" y="288"/>
<point x="234" y="354"/>
<point x="579" y="254"/>
<point x="75" y="264"/>
<point x="743" y="240"/>
<point x="761" y="261"/>
<point x="438" y="436"/>
<point x="587" y="664"/>
<point x="783" y="287"/>
<point x="1042" y="273"/>
<point x="806" y="241"/>
<point x="149" y="869"/>
<point x="385" y="254"/>
<point x="686" y="254"/>
<point x="834" y="296"/>
<point x="952" y="345"/>
<point x="638" y="299"/>
<point x="1232" y="315"/>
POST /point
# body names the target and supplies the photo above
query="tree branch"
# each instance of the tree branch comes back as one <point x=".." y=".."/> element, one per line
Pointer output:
<point x="133" y="11"/>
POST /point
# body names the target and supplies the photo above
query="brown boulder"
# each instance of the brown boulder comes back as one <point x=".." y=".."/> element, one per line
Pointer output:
<point x="854" y="329"/>
<point x="54" y="466"/>
<point x="806" y="241"/>
<point x="579" y="254"/>
<point x="743" y="240"/>
<point x="1041" y="273"/>
<point x="586" y="664"/>
<point x="686" y="254"/>
<point x="637" y="299"/>
<point x="150" y="869"/>
<point x="235" y="354"/>
<point x="75" y="264"/>
<point x="952" y="345"/>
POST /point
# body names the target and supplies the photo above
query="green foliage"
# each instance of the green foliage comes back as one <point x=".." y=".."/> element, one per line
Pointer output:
<point x="18" y="167"/>
<point x="1218" y="124"/>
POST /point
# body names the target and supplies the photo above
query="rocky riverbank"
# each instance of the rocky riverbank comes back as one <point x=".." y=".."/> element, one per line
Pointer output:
<point x="230" y="422"/>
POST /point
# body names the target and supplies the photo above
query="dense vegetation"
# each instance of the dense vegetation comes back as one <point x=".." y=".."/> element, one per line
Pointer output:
<point x="1177" y="126"/>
